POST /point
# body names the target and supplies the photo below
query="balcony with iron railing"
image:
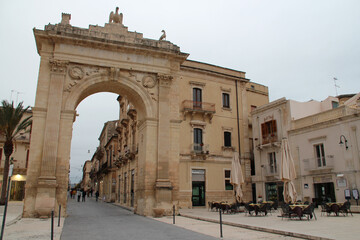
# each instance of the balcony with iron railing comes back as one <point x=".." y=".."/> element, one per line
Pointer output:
<point x="203" y="108"/>
<point x="272" y="171"/>
<point x="270" y="138"/>
<point x="199" y="151"/>
<point x="321" y="164"/>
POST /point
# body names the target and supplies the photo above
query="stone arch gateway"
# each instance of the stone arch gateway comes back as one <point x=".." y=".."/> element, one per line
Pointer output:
<point x="76" y="63"/>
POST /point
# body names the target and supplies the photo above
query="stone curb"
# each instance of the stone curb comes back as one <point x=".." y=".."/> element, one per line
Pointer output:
<point x="13" y="221"/>
<point x="262" y="229"/>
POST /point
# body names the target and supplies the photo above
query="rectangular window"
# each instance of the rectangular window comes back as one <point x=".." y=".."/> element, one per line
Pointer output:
<point x="272" y="162"/>
<point x="226" y="100"/>
<point x="197" y="98"/>
<point x="0" y="155"/>
<point x="269" y="132"/>
<point x="320" y="155"/>
<point x="227" y="139"/>
<point x="198" y="143"/>
<point x="334" y="104"/>
<point x="228" y="185"/>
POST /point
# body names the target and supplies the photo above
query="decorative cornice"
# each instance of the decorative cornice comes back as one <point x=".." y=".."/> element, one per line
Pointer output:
<point x="58" y="66"/>
<point x="164" y="80"/>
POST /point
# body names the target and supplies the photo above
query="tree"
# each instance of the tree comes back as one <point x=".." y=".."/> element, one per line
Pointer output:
<point x="11" y="125"/>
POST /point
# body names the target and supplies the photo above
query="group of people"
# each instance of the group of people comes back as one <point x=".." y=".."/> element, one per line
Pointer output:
<point x="81" y="194"/>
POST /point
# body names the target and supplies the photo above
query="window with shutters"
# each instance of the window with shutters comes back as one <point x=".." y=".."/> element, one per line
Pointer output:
<point x="197" y="98"/>
<point x="269" y="132"/>
<point x="226" y="100"/>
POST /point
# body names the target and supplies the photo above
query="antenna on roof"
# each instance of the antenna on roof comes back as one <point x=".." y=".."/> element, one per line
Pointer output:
<point x="336" y="86"/>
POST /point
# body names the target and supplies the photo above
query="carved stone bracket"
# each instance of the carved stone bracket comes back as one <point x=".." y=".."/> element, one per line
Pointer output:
<point x="58" y="66"/>
<point x="165" y="80"/>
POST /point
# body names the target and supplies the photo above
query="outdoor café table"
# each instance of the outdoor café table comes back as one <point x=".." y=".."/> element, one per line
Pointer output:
<point x="257" y="207"/>
<point x="297" y="209"/>
<point x="334" y="207"/>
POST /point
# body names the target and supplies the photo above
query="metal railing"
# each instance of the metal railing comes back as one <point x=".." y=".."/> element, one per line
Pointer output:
<point x="269" y="138"/>
<point x="189" y="105"/>
<point x="325" y="162"/>
<point x="200" y="148"/>
<point x="272" y="170"/>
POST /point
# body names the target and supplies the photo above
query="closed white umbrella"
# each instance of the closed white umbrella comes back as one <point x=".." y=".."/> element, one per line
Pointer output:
<point x="236" y="178"/>
<point x="288" y="172"/>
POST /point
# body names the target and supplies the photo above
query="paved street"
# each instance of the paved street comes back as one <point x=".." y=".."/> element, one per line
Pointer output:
<point x="98" y="220"/>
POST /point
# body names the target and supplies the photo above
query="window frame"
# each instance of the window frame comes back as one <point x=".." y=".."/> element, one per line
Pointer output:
<point x="269" y="131"/>
<point x="227" y="139"/>
<point x="272" y="162"/>
<point x="225" y="100"/>
<point x="197" y="98"/>
<point x="227" y="180"/>
<point x="320" y="157"/>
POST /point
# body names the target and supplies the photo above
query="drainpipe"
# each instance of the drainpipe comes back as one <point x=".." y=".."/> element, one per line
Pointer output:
<point x="237" y="115"/>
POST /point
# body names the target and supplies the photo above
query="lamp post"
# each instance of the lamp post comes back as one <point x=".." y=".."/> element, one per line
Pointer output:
<point x="341" y="142"/>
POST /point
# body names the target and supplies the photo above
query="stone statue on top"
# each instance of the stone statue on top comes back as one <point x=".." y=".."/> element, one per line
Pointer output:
<point x="116" y="17"/>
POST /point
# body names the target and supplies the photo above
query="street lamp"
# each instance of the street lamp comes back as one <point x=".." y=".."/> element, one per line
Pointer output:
<point x="341" y="142"/>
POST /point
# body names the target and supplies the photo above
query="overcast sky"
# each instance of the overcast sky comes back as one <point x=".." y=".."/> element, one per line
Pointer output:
<point x="295" y="48"/>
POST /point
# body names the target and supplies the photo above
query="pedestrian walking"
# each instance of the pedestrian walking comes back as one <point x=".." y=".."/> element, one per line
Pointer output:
<point x="78" y="195"/>
<point x="83" y="195"/>
<point x="97" y="195"/>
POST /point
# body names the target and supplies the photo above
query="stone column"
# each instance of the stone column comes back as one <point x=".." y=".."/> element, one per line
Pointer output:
<point x="46" y="189"/>
<point x="163" y="185"/>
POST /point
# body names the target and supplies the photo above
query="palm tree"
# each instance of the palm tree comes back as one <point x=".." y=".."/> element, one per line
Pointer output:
<point x="11" y="125"/>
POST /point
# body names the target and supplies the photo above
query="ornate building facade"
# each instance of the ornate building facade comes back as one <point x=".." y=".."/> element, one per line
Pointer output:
<point x="179" y="123"/>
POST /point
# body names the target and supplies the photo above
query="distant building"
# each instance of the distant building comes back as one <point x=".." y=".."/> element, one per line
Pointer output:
<point x="325" y="168"/>
<point x="20" y="159"/>
<point x="86" y="181"/>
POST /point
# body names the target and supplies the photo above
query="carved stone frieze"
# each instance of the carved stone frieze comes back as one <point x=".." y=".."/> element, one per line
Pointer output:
<point x="58" y="66"/>
<point x="76" y="72"/>
<point x="148" y="82"/>
<point x="165" y="80"/>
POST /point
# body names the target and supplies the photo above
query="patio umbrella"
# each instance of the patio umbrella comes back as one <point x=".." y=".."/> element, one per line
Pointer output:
<point x="287" y="173"/>
<point x="236" y="178"/>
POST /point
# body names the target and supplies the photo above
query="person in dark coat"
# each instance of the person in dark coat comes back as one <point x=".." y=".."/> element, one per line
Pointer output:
<point x="83" y="195"/>
<point x="97" y="195"/>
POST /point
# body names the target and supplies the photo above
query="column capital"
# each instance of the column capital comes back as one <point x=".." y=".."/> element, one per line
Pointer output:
<point x="164" y="80"/>
<point x="58" y="66"/>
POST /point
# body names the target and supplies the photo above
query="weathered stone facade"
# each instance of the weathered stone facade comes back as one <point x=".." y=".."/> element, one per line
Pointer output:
<point x="158" y="81"/>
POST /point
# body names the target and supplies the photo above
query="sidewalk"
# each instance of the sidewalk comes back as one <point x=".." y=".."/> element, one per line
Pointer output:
<point x="17" y="228"/>
<point x="325" y="227"/>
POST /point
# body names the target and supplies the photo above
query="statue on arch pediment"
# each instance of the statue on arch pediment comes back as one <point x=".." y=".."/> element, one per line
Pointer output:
<point x="116" y="17"/>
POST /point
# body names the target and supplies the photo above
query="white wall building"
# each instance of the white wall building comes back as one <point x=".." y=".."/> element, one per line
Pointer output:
<point x="325" y="168"/>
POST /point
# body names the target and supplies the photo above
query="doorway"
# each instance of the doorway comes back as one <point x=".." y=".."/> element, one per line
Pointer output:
<point x="324" y="192"/>
<point x="198" y="187"/>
